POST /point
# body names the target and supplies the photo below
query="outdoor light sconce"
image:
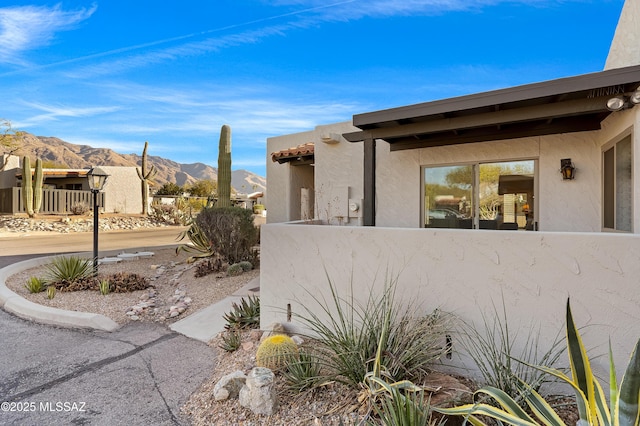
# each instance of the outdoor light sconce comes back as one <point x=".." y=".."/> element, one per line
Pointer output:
<point x="620" y="102"/>
<point x="567" y="169"/>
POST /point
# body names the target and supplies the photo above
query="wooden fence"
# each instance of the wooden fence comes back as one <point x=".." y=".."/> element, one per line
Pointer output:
<point x="54" y="201"/>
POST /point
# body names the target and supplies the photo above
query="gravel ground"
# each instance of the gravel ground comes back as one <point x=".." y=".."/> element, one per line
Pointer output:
<point x="167" y="272"/>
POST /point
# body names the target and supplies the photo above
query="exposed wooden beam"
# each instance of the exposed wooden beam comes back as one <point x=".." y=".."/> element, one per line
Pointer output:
<point x="502" y="117"/>
<point x="369" y="202"/>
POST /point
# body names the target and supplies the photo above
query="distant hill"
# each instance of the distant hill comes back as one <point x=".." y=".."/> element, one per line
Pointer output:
<point x="57" y="151"/>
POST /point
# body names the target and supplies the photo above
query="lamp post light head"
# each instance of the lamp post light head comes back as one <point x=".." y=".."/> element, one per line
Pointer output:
<point x="97" y="178"/>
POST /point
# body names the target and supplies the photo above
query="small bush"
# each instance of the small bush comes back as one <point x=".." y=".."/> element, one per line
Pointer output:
<point x="230" y="231"/>
<point x="208" y="266"/>
<point x="51" y="292"/>
<point x="235" y="270"/>
<point x="244" y="316"/>
<point x="246" y="265"/>
<point x="126" y="282"/>
<point x="80" y="208"/>
<point x="35" y="285"/>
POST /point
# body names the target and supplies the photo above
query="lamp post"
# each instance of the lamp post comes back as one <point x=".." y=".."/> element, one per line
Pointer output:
<point x="97" y="178"/>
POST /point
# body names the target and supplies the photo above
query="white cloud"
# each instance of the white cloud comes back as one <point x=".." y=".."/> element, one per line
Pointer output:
<point x="23" y="28"/>
<point x="55" y="112"/>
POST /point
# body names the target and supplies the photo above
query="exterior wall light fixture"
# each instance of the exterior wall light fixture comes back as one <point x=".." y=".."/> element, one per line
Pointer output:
<point x="620" y="102"/>
<point x="567" y="169"/>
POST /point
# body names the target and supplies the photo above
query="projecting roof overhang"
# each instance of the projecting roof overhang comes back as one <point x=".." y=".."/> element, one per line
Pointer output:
<point x="564" y="105"/>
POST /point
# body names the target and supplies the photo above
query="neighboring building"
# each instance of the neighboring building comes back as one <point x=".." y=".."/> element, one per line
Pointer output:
<point x="64" y="187"/>
<point x="480" y="165"/>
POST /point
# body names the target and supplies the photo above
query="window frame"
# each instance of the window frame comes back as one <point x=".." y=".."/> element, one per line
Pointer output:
<point x="613" y="144"/>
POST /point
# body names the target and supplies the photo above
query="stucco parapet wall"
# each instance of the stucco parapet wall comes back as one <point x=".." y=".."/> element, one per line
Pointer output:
<point x="19" y="306"/>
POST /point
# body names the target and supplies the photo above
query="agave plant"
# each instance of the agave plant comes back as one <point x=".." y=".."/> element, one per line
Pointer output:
<point x="198" y="243"/>
<point x="593" y="409"/>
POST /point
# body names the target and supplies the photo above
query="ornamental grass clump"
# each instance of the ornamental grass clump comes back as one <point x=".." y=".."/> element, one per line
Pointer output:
<point x="349" y="333"/>
<point x="491" y="347"/>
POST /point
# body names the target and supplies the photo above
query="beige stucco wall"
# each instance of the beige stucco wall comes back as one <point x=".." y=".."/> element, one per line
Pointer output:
<point x="464" y="272"/>
<point x="124" y="193"/>
<point x="572" y="206"/>
<point x="625" y="47"/>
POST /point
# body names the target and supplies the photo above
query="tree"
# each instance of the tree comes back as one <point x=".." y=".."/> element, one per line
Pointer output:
<point x="203" y="188"/>
<point x="170" y="188"/>
<point x="9" y="140"/>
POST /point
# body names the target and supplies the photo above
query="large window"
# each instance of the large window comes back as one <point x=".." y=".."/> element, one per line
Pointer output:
<point x="480" y="196"/>
<point x="617" y="197"/>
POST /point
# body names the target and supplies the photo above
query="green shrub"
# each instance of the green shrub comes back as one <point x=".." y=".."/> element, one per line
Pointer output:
<point x="235" y="270"/>
<point x="245" y="315"/>
<point x="246" y="265"/>
<point x="69" y="269"/>
<point x="35" y="285"/>
<point x="349" y="333"/>
<point x="230" y="231"/>
<point x="51" y="292"/>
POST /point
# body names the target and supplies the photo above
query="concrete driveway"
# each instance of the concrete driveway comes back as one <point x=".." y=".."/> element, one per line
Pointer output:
<point x="138" y="375"/>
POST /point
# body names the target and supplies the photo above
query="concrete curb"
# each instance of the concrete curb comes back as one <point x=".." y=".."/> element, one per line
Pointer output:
<point x="23" y="308"/>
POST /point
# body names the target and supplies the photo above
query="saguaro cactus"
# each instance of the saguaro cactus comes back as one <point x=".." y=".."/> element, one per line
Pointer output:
<point x="27" y="188"/>
<point x="31" y="186"/>
<point x="145" y="174"/>
<point x="37" y="187"/>
<point x="224" y="167"/>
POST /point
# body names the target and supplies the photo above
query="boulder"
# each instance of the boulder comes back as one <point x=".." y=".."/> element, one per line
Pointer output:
<point x="229" y="386"/>
<point x="259" y="394"/>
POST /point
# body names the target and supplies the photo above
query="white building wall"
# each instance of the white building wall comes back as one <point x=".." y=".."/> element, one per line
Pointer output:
<point x="625" y="47"/>
<point x="123" y="189"/>
<point x="463" y="272"/>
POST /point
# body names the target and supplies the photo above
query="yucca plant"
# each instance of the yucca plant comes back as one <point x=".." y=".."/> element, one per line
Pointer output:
<point x="593" y="409"/>
<point x="105" y="287"/>
<point x="51" y="292"/>
<point x="69" y="269"/>
<point x="231" y="340"/>
<point x="35" y="285"/>
<point x="304" y="372"/>
<point x="245" y="315"/>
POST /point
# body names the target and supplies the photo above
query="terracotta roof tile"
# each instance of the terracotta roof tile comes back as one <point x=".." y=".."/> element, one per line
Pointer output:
<point x="304" y="150"/>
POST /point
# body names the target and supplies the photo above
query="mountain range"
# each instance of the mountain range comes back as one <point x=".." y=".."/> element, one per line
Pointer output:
<point x="56" y="152"/>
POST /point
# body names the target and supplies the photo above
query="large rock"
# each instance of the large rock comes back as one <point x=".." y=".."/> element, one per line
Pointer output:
<point x="259" y="394"/>
<point x="447" y="391"/>
<point x="229" y="386"/>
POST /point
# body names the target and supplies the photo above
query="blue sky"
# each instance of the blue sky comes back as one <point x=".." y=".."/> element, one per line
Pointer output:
<point x="113" y="74"/>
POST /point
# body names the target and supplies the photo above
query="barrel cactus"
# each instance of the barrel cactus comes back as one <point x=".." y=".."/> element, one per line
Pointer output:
<point x="276" y="352"/>
<point x="224" y="167"/>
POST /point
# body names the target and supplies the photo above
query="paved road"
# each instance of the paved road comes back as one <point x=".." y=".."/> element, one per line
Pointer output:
<point x="14" y="248"/>
<point x="138" y="375"/>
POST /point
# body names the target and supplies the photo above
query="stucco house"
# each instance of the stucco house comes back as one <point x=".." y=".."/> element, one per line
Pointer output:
<point x="528" y="193"/>
<point x="64" y="187"/>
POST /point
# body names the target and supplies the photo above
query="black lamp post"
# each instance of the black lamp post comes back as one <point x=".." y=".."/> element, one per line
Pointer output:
<point x="97" y="178"/>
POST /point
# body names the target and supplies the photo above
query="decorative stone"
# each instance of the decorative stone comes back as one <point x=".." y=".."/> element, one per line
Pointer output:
<point x="446" y="390"/>
<point x="299" y="340"/>
<point x="247" y="346"/>
<point x="174" y="314"/>
<point x="258" y="394"/>
<point x="274" y="328"/>
<point x="134" y="318"/>
<point x="229" y="386"/>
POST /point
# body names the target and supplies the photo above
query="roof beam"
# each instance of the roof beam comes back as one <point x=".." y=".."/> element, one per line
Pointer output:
<point x="538" y="112"/>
